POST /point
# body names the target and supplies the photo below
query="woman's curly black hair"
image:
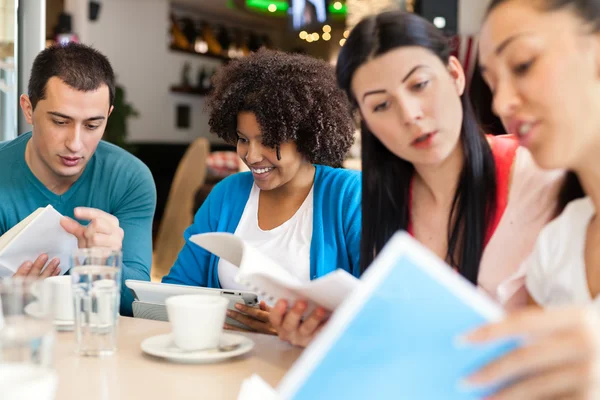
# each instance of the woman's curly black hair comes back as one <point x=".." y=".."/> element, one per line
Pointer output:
<point x="294" y="97"/>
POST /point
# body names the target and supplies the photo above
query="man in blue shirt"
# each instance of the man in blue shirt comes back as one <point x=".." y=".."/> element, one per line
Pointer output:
<point x="107" y="195"/>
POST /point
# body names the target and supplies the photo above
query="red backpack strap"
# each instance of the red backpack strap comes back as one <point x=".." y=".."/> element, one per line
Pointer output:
<point x="504" y="149"/>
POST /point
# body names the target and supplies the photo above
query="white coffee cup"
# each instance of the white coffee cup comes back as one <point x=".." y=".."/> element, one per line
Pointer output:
<point x="61" y="293"/>
<point x="197" y="320"/>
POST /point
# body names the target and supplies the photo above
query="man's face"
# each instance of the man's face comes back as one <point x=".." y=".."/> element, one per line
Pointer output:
<point x="67" y="124"/>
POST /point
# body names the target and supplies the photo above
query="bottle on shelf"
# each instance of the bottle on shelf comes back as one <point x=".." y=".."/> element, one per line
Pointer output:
<point x="214" y="47"/>
<point x="207" y="82"/>
<point x="201" y="77"/>
<point x="188" y="27"/>
<point x="178" y="38"/>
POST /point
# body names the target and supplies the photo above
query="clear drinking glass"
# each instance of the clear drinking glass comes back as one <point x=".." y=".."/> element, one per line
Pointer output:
<point x="96" y="275"/>
<point x="26" y="341"/>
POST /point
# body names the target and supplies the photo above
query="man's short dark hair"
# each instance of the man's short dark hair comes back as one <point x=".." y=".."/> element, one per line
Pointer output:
<point x="79" y="66"/>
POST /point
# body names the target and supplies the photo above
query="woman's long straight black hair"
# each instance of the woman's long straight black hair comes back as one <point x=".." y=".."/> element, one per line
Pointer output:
<point x="387" y="178"/>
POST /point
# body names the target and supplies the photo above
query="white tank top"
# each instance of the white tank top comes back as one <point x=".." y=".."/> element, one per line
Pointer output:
<point x="288" y="244"/>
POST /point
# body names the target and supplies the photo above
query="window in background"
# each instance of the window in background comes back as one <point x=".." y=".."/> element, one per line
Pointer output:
<point x="8" y="81"/>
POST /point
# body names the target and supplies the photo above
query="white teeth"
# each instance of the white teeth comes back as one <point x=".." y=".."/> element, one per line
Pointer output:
<point x="524" y="129"/>
<point x="261" y="170"/>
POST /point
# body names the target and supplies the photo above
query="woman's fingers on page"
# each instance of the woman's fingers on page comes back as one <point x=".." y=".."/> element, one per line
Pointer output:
<point x="251" y="322"/>
<point x="292" y="319"/>
<point x="24" y="269"/>
<point x="310" y="325"/>
<point x="532" y="322"/>
<point x="564" y="361"/>
<point x="560" y="349"/>
<point x="235" y="328"/>
<point x="263" y="306"/>
<point x="277" y="313"/>
<point x="567" y="382"/>
<point x="254" y="312"/>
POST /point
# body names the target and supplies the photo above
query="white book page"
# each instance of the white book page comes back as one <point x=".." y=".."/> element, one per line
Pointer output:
<point x="255" y="388"/>
<point x="42" y="234"/>
<point x="262" y="275"/>
<point x="18" y="228"/>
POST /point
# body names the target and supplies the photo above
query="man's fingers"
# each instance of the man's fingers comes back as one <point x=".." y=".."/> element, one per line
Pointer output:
<point x="98" y="226"/>
<point x="90" y="214"/>
<point x="24" y="269"/>
<point x="50" y="268"/>
<point x="38" y="264"/>
<point x="105" y="241"/>
<point x="74" y="228"/>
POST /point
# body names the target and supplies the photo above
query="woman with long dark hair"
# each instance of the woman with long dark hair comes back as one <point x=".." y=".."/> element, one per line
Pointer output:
<point x="541" y="60"/>
<point x="476" y="200"/>
<point x="427" y="166"/>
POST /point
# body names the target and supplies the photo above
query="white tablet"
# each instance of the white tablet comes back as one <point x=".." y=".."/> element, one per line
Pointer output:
<point x="157" y="293"/>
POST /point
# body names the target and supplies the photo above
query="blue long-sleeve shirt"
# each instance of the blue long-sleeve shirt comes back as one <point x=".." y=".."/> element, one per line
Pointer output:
<point x="336" y="235"/>
<point x="113" y="181"/>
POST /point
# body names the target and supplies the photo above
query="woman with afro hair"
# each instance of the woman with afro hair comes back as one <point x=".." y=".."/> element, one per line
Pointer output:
<point x="292" y="126"/>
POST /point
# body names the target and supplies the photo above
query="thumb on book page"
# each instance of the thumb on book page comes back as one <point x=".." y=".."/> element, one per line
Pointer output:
<point x="74" y="228"/>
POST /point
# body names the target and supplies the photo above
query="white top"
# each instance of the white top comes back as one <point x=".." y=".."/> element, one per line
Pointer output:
<point x="531" y="204"/>
<point x="556" y="274"/>
<point x="288" y="244"/>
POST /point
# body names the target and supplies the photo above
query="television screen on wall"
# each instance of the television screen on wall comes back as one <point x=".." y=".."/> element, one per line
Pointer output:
<point x="305" y="14"/>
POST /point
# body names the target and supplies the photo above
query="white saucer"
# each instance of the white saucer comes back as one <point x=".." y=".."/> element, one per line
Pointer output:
<point x="164" y="347"/>
<point x="33" y="309"/>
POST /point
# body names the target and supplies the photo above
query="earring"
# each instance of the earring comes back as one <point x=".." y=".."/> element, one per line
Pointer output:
<point x="278" y="154"/>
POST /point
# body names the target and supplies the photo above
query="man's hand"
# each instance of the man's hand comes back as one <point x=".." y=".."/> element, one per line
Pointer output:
<point x="34" y="269"/>
<point x="102" y="231"/>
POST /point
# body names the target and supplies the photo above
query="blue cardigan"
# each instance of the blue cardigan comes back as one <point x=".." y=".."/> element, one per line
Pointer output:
<point x="336" y="226"/>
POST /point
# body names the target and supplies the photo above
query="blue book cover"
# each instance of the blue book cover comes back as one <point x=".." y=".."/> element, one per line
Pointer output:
<point x="397" y="334"/>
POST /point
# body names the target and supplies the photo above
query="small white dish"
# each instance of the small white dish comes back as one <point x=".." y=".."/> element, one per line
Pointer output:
<point x="33" y="309"/>
<point x="163" y="346"/>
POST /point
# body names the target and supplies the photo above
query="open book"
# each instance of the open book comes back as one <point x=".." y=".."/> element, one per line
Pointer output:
<point x="263" y="276"/>
<point x="37" y="234"/>
<point x="397" y="336"/>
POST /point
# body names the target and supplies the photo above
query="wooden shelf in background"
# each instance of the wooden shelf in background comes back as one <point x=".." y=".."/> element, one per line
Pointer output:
<point x="190" y="91"/>
<point x="205" y="55"/>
